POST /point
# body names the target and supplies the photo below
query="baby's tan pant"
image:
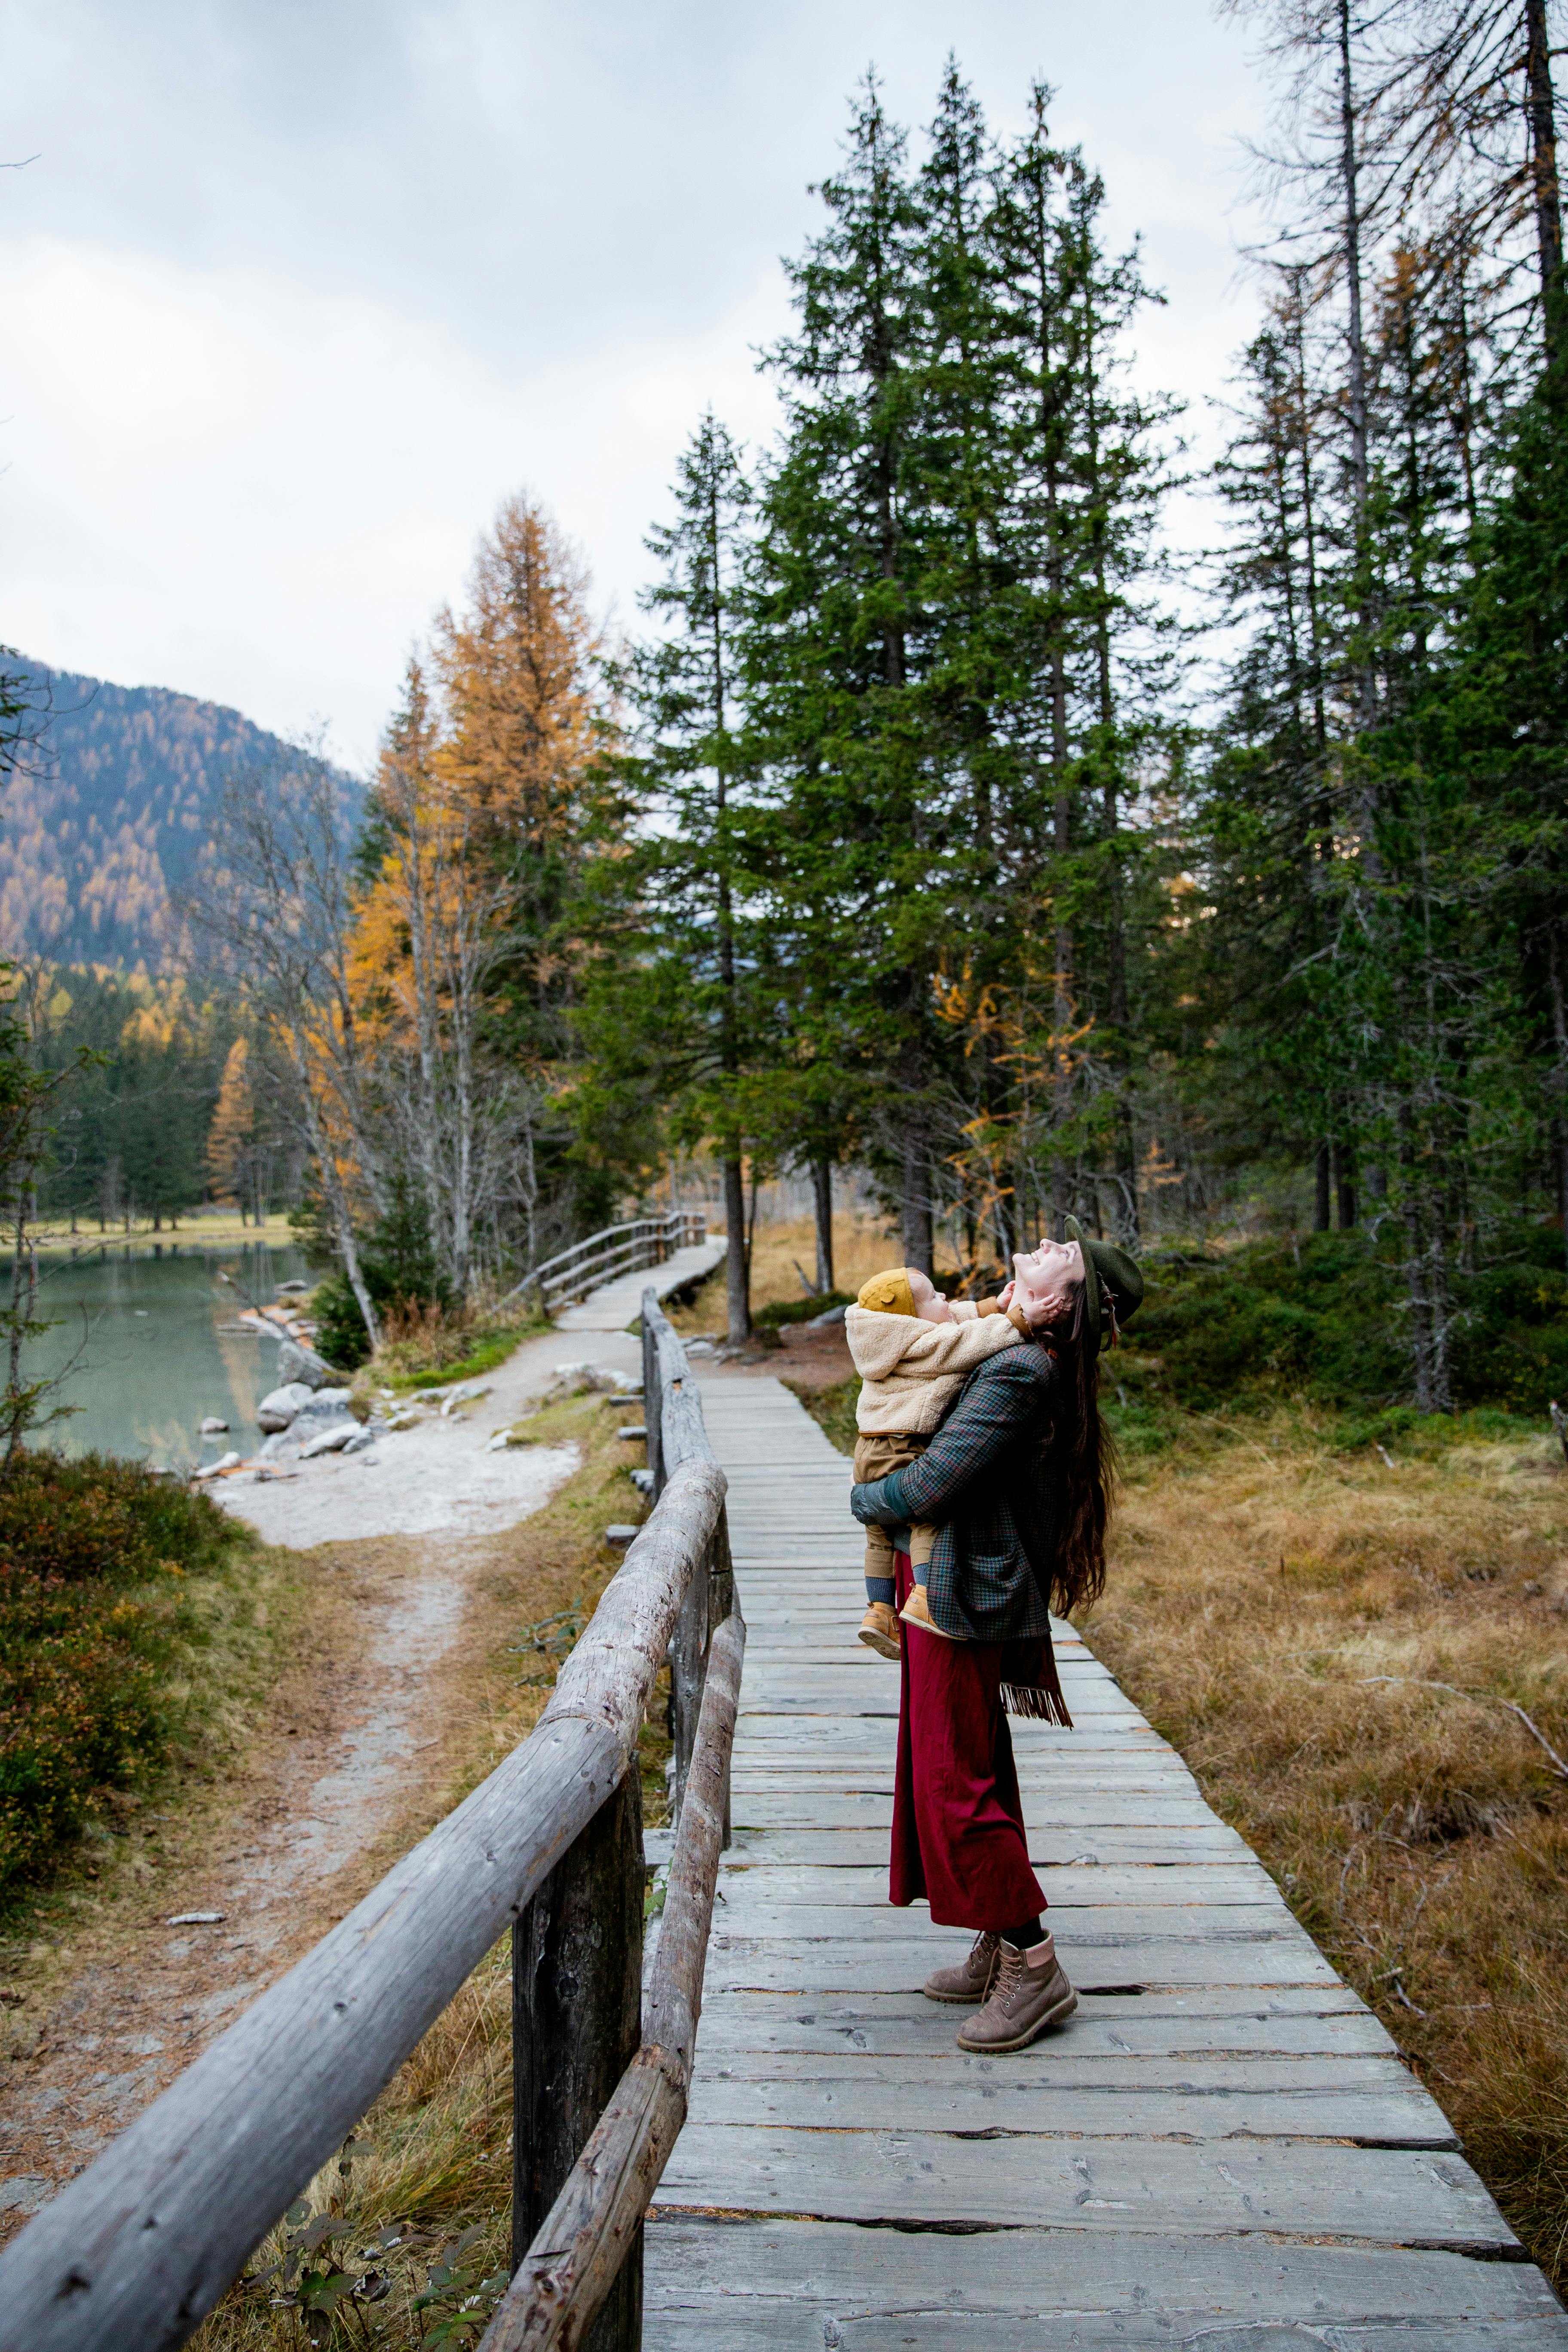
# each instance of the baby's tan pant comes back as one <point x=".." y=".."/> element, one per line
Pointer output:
<point x="878" y="1457"/>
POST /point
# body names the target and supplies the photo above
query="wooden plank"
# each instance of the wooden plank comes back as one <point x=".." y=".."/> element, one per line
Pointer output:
<point x="774" y="1964"/>
<point x="1050" y="1846"/>
<point x="753" y="1895"/>
<point x="780" y="2284"/>
<point x="1078" y="1809"/>
<point x="1395" y="2116"/>
<point x="1092" y="2057"/>
<point x="1083" y="1925"/>
<point x="1123" y="1775"/>
<point x="690" y="2325"/>
<point x="775" y="2029"/>
<point x="1391" y="2194"/>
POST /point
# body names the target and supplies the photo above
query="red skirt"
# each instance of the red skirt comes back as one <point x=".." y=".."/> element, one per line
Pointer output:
<point x="958" y="1821"/>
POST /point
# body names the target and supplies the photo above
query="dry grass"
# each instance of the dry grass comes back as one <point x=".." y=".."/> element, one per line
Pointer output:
<point x="1255" y="1595"/>
<point x="432" y="2160"/>
<point x="422" y="1346"/>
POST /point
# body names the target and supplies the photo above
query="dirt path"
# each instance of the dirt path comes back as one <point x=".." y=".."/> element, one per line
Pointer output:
<point x="364" y="1733"/>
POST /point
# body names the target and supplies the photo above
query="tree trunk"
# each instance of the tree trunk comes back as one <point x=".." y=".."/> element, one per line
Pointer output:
<point x="1350" y="168"/>
<point x="1345" y="1186"/>
<point x="822" y="1195"/>
<point x="914" y="1216"/>
<point x="739" y="1284"/>
<point x="1321" y="1219"/>
<point x="1541" y="108"/>
<point x="1554" y="973"/>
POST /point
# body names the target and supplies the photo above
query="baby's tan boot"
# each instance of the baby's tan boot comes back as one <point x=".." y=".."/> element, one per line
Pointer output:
<point x="915" y="1612"/>
<point x="879" y="1630"/>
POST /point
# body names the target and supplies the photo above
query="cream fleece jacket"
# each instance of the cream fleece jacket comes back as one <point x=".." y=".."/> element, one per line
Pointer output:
<point x="912" y="1371"/>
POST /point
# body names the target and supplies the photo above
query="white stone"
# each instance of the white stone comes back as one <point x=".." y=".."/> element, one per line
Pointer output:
<point x="281" y="1406"/>
<point x="215" y="1469"/>
<point x="329" y="1441"/>
<point x="213" y="1427"/>
<point x="297" y="1363"/>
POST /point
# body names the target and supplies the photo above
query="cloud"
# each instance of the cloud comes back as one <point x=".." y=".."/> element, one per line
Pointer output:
<point x="297" y="293"/>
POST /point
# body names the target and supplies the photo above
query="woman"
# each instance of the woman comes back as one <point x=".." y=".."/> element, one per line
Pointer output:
<point x="1016" y="1481"/>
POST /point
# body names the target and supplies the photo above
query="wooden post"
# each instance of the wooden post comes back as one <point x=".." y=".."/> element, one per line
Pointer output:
<point x="576" y="2025"/>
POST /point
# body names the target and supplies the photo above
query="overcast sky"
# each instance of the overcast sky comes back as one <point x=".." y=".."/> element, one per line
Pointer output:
<point x="297" y="290"/>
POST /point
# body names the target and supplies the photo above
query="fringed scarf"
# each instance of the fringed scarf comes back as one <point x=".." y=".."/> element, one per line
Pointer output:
<point x="1030" y="1684"/>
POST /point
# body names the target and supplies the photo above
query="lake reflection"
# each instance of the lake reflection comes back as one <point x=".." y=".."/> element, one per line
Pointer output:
<point x="155" y="1355"/>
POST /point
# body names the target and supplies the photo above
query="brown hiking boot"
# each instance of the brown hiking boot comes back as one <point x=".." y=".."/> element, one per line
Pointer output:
<point x="971" y="1980"/>
<point x="915" y="1612"/>
<point x="1028" y="1992"/>
<point x="879" y="1630"/>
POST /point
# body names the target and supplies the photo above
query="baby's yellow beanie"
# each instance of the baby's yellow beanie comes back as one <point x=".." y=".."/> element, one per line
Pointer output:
<point x="889" y="1293"/>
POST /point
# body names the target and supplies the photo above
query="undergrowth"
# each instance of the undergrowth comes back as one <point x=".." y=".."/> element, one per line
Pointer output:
<point x="1323" y="1318"/>
<point x="425" y="1347"/>
<point x="114" y="1586"/>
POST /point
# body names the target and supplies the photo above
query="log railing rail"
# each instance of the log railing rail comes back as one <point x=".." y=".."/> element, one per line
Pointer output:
<point x="600" y="1257"/>
<point x="135" y="2251"/>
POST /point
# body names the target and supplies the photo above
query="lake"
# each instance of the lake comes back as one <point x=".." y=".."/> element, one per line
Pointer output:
<point x="158" y="1352"/>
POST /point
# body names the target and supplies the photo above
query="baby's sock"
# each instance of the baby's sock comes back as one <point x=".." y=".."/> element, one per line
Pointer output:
<point x="880" y="1587"/>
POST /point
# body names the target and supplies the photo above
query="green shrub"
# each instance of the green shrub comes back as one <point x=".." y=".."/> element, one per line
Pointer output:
<point x="798" y="1310"/>
<point x="96" y="1559"/>
<point x="341" y="1335"/>
<point x="1326" y="1319"/>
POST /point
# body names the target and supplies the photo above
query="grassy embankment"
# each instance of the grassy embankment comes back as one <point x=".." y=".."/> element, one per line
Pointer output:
<point x="424" y="2204"/>
<point x="442" y="1344"/>
<point x="136" y="1622"/>
<point x="1297" y="1562"/>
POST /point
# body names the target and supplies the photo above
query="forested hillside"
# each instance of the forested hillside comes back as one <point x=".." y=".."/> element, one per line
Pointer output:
<point x="115" y="800"/>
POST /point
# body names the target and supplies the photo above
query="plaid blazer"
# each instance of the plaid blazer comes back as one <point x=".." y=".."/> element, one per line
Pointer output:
<point x="984" y="1482"/>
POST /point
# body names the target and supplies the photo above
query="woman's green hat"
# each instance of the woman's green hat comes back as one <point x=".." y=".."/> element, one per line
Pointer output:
<point x="1109" y="1271"/>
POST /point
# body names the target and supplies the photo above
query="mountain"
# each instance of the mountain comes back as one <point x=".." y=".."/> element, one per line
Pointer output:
<point x="112" y="810"/>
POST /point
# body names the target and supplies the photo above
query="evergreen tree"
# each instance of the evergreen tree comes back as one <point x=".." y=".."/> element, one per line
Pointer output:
<point x="683" y="1012"/>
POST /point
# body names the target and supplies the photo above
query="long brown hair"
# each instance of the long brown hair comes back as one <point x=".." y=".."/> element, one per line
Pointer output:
<point x="1080" y="1462"/>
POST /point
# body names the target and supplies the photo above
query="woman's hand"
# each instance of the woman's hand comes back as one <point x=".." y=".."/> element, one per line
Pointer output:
<point x="875" y="1507"/>
<point x="1046" y="1281"/>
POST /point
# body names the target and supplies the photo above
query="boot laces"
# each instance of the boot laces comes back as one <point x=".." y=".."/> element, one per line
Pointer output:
<point x="1011" y="1977"/>
<point x="983" y="1951"/>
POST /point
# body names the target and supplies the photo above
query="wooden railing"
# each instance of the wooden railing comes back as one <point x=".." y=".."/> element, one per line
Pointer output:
<point x="134" y="2251"/>
<point x="618" y="1249"/>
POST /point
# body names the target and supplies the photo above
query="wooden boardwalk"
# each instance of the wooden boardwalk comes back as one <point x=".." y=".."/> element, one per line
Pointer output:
<point x="1222" y="2148"/>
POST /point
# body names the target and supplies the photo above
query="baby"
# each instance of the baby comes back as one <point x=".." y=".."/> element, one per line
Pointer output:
<point x="913" y="1352"/>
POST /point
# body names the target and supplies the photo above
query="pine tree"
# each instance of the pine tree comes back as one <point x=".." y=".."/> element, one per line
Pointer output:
<point x="836" y="637"/>
<point x="681" y="1003"/>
